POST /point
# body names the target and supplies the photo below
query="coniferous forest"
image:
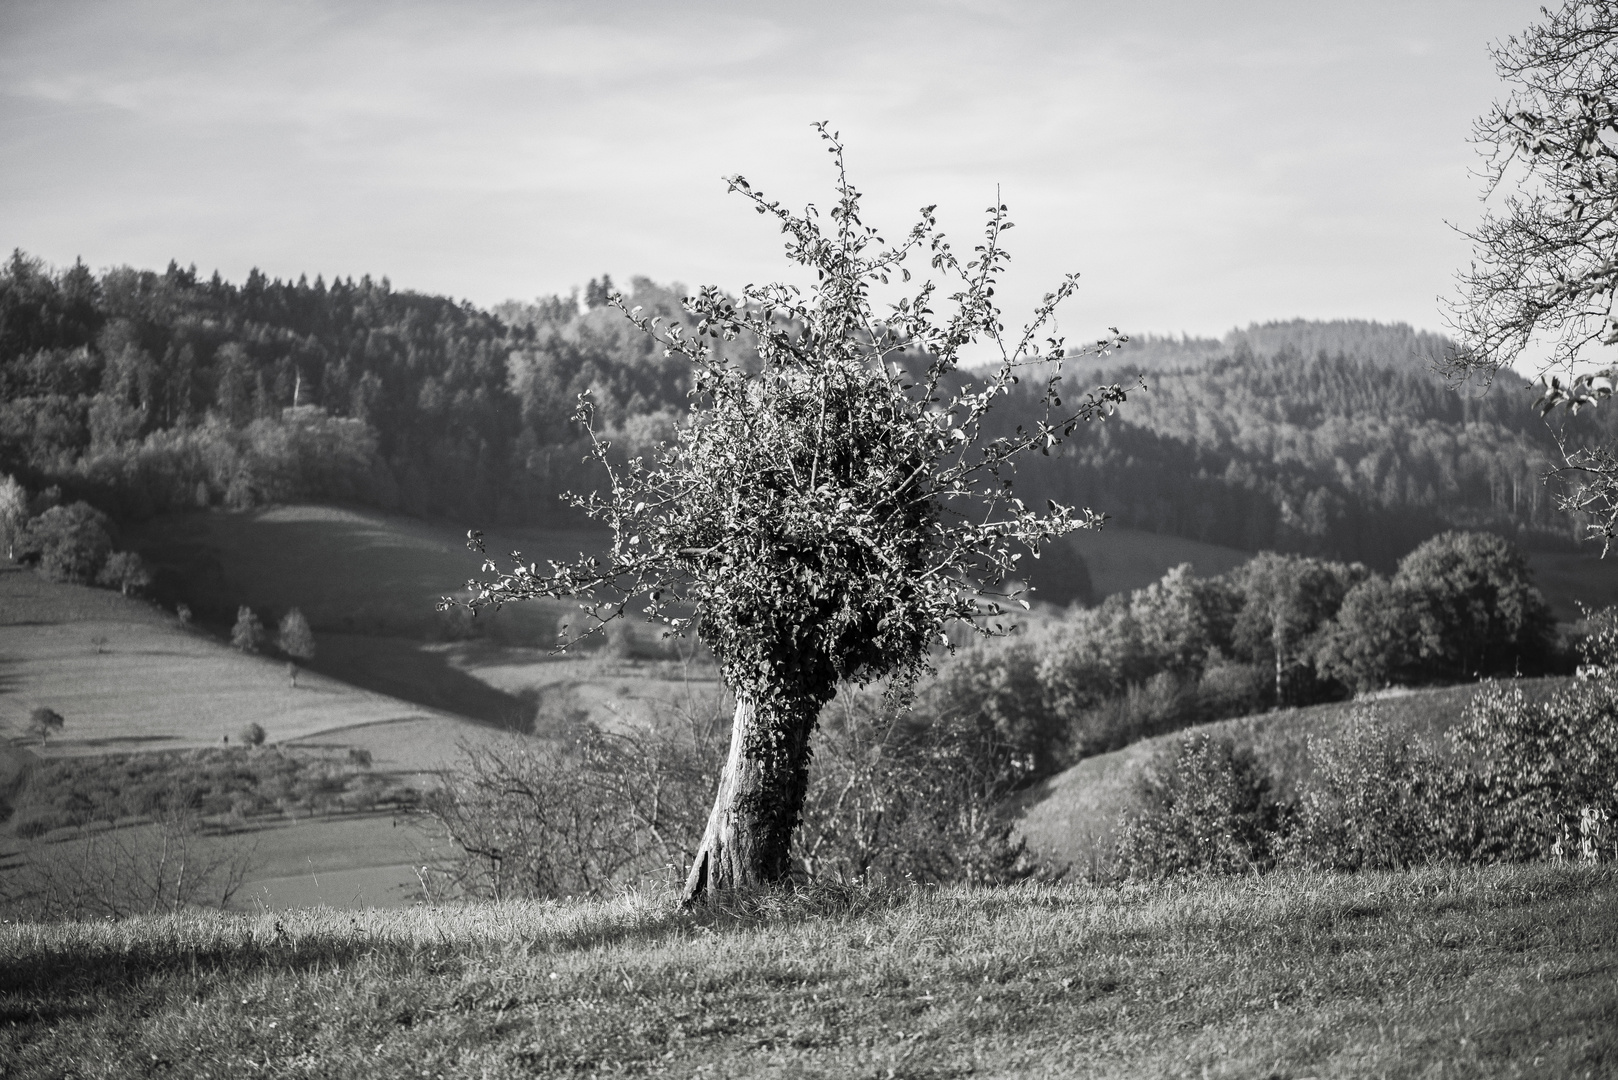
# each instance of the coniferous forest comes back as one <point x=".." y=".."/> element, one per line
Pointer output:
<point x="143" y="392"/>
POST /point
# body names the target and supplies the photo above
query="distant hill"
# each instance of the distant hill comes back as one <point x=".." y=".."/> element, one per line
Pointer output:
<point x="1329" y="439"/>
<point x="151" y="393"/>
<point x="1362" y="341"/>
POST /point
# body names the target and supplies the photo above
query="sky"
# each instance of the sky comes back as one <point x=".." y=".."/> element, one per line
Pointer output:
<point x="1202" y="166"/>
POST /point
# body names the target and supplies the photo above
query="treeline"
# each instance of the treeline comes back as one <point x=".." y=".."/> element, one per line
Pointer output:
<point x="919" y="794"/>
<point x="1281" y="630"/>
<point x="146" y="392"/>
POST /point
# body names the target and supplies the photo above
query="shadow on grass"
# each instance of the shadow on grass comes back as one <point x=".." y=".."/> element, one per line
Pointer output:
<point x="406" y="669"/>
<point x="51" y="981"/>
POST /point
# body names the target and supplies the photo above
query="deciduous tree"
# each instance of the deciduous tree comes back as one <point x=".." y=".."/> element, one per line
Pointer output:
<point x="294" y="637"/>
<point x="248" y="633"/>
<point x="44" y="722"/>
<point x="124" y="571"/>
<point x="832" y="506"/>
<point x="1545" y="261"/>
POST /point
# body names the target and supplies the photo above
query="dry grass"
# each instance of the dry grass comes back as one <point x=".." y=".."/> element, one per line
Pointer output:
<point x="1496" y="972"/>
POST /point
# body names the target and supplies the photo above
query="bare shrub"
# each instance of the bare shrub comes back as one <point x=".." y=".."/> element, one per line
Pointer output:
<point x="164" y="867"/>
<point x="583" y="814"/>
<point x="896" y="796"/>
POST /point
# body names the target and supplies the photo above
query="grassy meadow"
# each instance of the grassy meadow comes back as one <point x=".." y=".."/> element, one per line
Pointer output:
<point x="126" y="675"/>
<point x="368" y="582"/>
<point x="1503" y="971"/>
<point x="1072" y="818"/>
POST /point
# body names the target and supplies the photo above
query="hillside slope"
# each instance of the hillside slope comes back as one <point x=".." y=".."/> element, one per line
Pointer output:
<point x="149" y="683"/>
<point x="1072" y="818"/>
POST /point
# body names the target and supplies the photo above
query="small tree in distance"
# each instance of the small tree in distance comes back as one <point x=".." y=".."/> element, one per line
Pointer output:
<point x="295" y="638"/>
<point x="248" y="633"/>
<point x="825" y="513"/>
<point x="253" y="734"/>
<point x="124" y="571"/>
<point x="43" y="723"/>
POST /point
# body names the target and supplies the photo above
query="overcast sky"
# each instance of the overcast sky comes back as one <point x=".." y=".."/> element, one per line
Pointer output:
<point x="1202" y="165"/>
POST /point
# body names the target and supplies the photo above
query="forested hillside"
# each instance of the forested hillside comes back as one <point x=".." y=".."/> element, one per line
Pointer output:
<point x="147" y="392"/>
<point x="1355" y="450"/>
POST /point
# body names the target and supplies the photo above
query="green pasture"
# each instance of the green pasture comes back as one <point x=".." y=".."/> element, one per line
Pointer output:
<point x="1494" y="972"/>
<point x="353" y="571"/>
<point x="126" y="675"/>
<point x="1121" y="559"/>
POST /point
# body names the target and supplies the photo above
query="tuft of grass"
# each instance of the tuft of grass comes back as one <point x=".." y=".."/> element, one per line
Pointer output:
<point x="1502" y="971"/>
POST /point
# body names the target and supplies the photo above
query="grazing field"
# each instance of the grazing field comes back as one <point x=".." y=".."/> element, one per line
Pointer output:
<point x="1071" y="819"/>
<point x="368" y="583"/>
<point x="355" y="861"/>
<point x="1121" y="559"/>
<point x="125" y="675"/>
<point x="1504" y="971"/>
<point x="1568" y="580"/>
<point x="355" y="571"/>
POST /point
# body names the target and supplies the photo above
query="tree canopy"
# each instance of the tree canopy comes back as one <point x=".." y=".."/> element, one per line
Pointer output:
<point x="827" y="510"/>
<point x="1545" y="262"/>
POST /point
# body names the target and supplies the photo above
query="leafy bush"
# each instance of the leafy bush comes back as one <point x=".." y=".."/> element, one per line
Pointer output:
<point x="253" y="734"/>
<point x="1373" y="800"/>
<point x="69" y="543"/>
<point x="1535" y="765"/>
<point x="1205" y="807"/>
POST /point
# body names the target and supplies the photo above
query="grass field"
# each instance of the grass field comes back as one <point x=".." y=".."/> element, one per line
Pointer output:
<point x="351" y="571"/>
<point x="1567" y="580"/>
<point x="1496" y="972"/>
<point x="1121" y="559"/>
<point x="153" y="684"/>
<point x="1071" y="819"/>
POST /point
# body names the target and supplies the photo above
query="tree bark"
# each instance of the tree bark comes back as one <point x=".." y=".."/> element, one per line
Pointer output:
<point x="748" y="841"/>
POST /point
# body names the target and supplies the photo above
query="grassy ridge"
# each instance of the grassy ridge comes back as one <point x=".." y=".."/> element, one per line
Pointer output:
<point x="1493" y="972"/>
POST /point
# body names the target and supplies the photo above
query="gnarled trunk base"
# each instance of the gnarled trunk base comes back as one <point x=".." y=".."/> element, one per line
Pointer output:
<point x="748" y="841"/>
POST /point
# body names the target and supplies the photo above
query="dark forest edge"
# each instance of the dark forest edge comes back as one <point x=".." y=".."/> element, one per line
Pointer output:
<point x="144" y="393"/>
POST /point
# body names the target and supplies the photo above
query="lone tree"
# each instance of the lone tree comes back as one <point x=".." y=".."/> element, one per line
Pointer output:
<point x="827" y="510"/>
<point x="248" y="633"/>
<point x="43" y="723"/>
<point x="294" y="638"/>
<point x="1545" y="266"/>
<point x="124" y="571"/>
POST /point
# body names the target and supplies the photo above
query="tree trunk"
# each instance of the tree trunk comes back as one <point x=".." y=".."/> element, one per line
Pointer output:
<point x="748" y="840"/>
